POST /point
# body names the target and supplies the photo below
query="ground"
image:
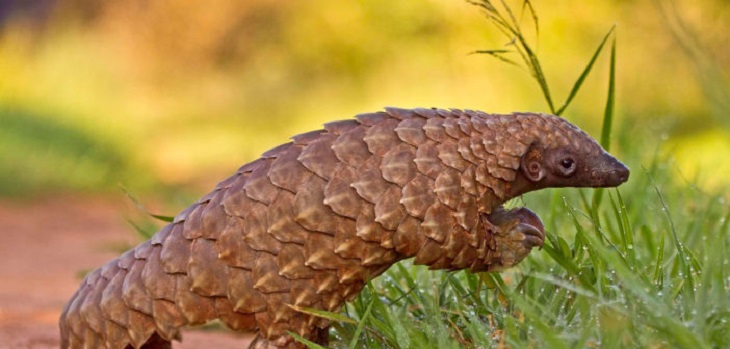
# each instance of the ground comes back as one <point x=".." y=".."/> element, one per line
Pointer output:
<point x="46" y="244"/>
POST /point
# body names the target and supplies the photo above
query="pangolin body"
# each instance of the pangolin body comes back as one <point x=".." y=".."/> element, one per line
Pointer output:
<point x="311" y="221"/>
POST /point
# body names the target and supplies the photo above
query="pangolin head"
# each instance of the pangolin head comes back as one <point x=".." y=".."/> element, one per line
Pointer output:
<point x="564" y="156"/>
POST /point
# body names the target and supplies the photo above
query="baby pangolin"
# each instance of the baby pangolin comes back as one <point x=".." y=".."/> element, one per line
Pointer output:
<point x="311" y="221"/>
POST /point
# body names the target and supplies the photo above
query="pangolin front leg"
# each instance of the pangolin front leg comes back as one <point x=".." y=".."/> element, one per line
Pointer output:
<point x="311" y="221"/>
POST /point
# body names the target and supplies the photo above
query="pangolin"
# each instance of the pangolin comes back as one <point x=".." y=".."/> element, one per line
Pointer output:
<point x="313" y="220"/>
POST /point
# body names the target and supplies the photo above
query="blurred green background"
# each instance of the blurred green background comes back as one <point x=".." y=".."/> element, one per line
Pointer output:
<point x="158" y="96"/>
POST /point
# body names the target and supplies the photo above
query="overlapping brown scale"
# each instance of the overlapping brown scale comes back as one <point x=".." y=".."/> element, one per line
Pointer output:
<point x="465" y="258"/>
<point x="407" y="239"/>
<point x="74" y="322"/>
<point x="168" y="319"/>
<point x="325" y="281"/>
<point x="134" y="293"/>
<point x="483" y="176"/>
<point x="309" y="208"/>
<point x="196" y="309"/>
<point x="237" y="186"/>
<point x="427" y="160"/>
<point x="89" y="309"/>
<point x="429" y="253"/>
<point x="511" y="153"/>
<point x="142" y="251"/>
<point x="175" y="251"/>
<point x="241" y="291"/>
<point x="400" y="113"/>
<point x="351" y="271"/>
<point x="258" y="186"/>
<point x="193" y="223"/>
<point x="276" y="151"/>
<point x="233" y="319"/>
<point x="91" y="339"/>
<point x="347" y="243"/>
<point x="266" y="278"/>
<point x="115" y="336"/>
<point x="388" y="210"/>
<point x="319" y="157"/>
<point x="509" y="162"/>
<point x="434" y="129"/>
<point x="506" y="174"/>
<point x="371" y="119"/>
<point x="450" y="156"/>
<point x="319" y="252"/>
<point x="350" y="148"/>
<point x="464" y="147"/>
<point x="141" y="327"/>
<point x="332" y="302"/>
<point x="398" y="166"/>
<point x="288" y="173"/>
<point x="341" y="126"/>
<point x="350" y="291"/>
<point x="381" y="137"/>
<point x="112" y="305"/>
<point x="209" y="275"/>
<point x="157" y="283"/>
<point x="231" y="247"/>
<point x="426" y="112"/>
<point x="467" y="213"/>
<point x="465" y="124"/>
<point x="303" y="293"/>
<point x="468" y="181"/>
<point x="448" y="188"/>
<point x="410" y="130"/>
<point x="365" y="226"/>
<point x="291" y="263"/>
<point x="268" y="328"/>
<point x="255" y="228"/>
<point x="278" y="307"/>
<point x="438" y="222"/>
<point x="126" y="260"/>
<point x="376" y="255"/>
<point x="307" y="137"/>
<point x="417" y="196"/>
<point x="370" y="184"/>
<point x="456" y="242"/>
<point x="339" y="195"/>
<point x="280" y="218"/>
<point x="452" y="128"/>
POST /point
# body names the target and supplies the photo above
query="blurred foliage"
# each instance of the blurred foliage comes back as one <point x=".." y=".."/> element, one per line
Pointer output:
<point x="186" y="91"/>
<point x="40" y="153"/>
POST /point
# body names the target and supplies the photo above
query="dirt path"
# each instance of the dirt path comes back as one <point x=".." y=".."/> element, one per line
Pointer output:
<point x="44" y="246"/>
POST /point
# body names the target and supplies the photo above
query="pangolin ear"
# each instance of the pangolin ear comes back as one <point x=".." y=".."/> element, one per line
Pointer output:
<point x="532" y="165"/>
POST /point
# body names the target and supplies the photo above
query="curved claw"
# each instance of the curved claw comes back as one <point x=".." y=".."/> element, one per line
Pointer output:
<point x="531" y="235"/>
<point x="518" y="232"/>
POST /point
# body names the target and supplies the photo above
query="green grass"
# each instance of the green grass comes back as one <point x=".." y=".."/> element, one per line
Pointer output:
<point x="641" y="266"/>
<point x="39" y="154"/>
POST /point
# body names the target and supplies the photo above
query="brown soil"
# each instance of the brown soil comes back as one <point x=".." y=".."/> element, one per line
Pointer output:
<point x="45" y="246"/>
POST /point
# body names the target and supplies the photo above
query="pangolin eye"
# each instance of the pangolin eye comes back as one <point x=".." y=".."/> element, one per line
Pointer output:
<point x="567" y="166"/>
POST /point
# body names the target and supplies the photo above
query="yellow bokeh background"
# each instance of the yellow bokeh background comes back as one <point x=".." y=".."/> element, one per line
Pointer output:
<point x="189" y="90"/>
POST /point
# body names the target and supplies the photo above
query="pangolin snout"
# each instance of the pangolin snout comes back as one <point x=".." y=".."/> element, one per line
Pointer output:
<point x="609" y="172"/>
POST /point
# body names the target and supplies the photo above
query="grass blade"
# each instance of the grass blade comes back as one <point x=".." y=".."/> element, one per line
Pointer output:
<point x="610" y="101"/>
<point x="579" y="82"/>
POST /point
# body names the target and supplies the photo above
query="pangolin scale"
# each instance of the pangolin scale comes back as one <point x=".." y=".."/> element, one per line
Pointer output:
<point x="311" y="221"/>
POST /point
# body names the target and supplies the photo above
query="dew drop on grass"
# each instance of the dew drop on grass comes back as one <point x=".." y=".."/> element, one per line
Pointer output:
<point x="630" y="246"/>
